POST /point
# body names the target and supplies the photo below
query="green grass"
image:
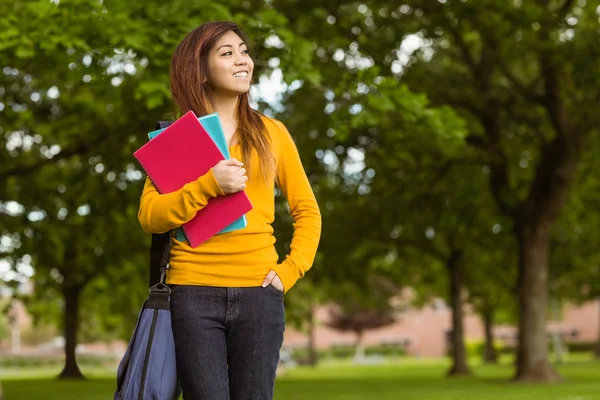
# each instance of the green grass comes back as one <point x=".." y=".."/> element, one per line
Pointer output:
<point x="404" y="379"/>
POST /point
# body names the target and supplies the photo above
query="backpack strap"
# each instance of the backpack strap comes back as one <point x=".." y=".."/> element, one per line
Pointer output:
<point x="160" y="247"/>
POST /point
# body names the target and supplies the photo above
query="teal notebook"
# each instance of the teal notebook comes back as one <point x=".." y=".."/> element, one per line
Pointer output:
<point x="212" y="124"/>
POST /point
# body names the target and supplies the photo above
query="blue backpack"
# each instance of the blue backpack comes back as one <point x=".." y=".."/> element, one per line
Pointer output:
<point x="148" y="370"/>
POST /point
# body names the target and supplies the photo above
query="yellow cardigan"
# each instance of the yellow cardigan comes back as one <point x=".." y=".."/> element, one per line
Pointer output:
<point x="244" y="257"/>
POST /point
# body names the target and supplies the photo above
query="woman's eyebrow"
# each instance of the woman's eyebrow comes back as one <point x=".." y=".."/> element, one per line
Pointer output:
<point x="228" y="45"/>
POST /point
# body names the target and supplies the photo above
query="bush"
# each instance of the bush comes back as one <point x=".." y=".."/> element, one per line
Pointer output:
<point x="474" y="348"/>
<point x="581" y="347"/>
<point x="388" y="350"/>
<point x="300" y="354"/>
<point x="343" y="351"/>
<point x="25" y="361"/>
<point x="20" y="361"/>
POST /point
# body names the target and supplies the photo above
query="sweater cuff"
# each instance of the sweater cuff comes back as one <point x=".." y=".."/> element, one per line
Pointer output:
<point x="203" y="189"/>
<point x="288" y="274"/>
<point x="211" y="182"/>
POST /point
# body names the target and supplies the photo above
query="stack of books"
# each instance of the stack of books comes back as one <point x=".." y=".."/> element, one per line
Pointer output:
<point x="180" y="154"/>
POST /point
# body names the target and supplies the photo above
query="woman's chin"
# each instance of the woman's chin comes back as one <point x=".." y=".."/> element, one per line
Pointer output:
<point x="242" y="91"/>
<point x="236" y="90"/>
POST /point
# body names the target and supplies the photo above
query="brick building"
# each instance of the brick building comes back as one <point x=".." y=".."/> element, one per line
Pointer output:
<point x="424" y="331"/>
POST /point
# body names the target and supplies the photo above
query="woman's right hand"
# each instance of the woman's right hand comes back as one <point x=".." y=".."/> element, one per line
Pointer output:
<point x="230" y="175"/>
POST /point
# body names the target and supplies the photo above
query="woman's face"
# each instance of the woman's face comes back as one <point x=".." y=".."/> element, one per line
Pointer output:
<point x="230" y="66"/>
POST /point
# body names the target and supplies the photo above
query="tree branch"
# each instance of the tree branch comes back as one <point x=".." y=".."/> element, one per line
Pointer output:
<point x="474" y="109"/>
<point x="464" y="50"/>
<point x="525" y="90"/>
<point x="557" y="167"/>
<point x="553" y="102"/>
<point x="500" y="185"/>
<point x="565" y="8"/>
<point x="445" y="170"/>
<point x="18" y="170"/>
<point x="487" y="61"/>
<point x="424" y="248"/>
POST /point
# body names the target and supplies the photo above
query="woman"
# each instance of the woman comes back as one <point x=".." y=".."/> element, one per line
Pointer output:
<point x="227" y="294"/>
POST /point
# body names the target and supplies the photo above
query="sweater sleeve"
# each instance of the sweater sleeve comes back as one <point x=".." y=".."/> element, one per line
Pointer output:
<point x="160" y="213"/>
<point x="294" y="184"/>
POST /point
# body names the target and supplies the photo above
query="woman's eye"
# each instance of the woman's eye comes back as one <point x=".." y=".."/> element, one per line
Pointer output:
<point x="227" y="54"/>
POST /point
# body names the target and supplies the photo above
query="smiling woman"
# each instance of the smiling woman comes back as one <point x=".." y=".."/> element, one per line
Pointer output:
<point x="231" y="61"/>
<point x="227" y="294"/>
<point x="207" y="76"/>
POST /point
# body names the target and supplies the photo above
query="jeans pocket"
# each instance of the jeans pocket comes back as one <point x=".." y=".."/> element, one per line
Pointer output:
<point x="272" y="288"/>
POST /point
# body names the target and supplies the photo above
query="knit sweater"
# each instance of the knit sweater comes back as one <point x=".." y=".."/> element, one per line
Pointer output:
<point x="240" y="258"/>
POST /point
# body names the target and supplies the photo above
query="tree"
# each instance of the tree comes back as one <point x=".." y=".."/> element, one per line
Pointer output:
<point x="74" y="75"/>
<point x="490" y="283"/>
<point x="575" y="260"/>
<point x="360" y="309"/>
<point x="433" y="209"/>
<point x="510" y="72"/>
<point x="301" y="305"/>
<point x="401" y="138"/>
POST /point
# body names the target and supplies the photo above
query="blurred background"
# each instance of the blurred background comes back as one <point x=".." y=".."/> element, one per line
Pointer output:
<point x="451" y="145"/>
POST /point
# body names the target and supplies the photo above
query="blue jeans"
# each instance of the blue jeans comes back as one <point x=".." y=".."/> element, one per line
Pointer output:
<point x="227" y="341"/>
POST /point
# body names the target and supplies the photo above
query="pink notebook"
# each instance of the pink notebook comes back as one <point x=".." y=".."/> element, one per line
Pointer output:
<point x="181" y="154"/>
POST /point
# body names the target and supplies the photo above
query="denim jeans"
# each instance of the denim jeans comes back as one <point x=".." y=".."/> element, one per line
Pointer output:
<point x="227" y="341"/>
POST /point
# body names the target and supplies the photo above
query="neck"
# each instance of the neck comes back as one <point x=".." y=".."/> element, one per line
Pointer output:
<point x="226" y="106"/>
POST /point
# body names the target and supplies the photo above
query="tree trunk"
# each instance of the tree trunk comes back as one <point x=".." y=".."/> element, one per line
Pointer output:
<point x="15" y="335"/>
<point x="313" y="356"/>
<point x="597" y="351"/>
<point x="359" y="354"/>
<point x="532" y="353"/>
<point x="490" y="355"/>
<point x="14" y="323"/>
<point x="459" y="353"/>
<point x="71" y="324"/>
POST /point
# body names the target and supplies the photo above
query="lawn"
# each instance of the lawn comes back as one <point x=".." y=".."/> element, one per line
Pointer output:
<point x="403" y="379"/>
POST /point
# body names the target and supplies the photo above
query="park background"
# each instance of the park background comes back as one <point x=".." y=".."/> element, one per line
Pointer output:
<point x="452" y="146"/>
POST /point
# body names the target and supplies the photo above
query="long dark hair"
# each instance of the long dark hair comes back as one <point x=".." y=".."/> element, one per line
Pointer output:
<point x="191" y="91"/>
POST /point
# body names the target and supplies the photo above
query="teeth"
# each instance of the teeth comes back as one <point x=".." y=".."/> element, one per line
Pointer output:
<point x="241" y="75"/>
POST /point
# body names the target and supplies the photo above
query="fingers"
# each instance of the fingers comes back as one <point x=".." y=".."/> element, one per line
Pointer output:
<point x="232" y="176"/>
<point x="240" y="172"/>
<point x="278" y="283"/>
<point x="232" y="162"/>
<point x="240" y="179"/>
<point x="268" y="278"/>
<point x="239" y="188"/>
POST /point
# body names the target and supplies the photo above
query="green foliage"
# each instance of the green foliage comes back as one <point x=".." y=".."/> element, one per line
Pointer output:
<point x="300" y="355"/>
<point x="4" y="329"/>
<point x="412" y="155"/>
<point x="575" y="261"/>
<point x="475" y="348"/>
<point x="581" y="347"/>
<point x="82" y="83"/>
<point x="53" y="360"/>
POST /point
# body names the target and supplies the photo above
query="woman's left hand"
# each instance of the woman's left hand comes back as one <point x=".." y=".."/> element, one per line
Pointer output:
<point x="273" y="279"/>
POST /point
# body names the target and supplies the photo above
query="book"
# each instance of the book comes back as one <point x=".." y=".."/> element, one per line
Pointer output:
<point x="212" y="124"/>
<point x="180" y="154"/>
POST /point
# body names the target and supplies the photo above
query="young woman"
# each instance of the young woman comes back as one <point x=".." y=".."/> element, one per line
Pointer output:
<point x="227" y="294"/>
